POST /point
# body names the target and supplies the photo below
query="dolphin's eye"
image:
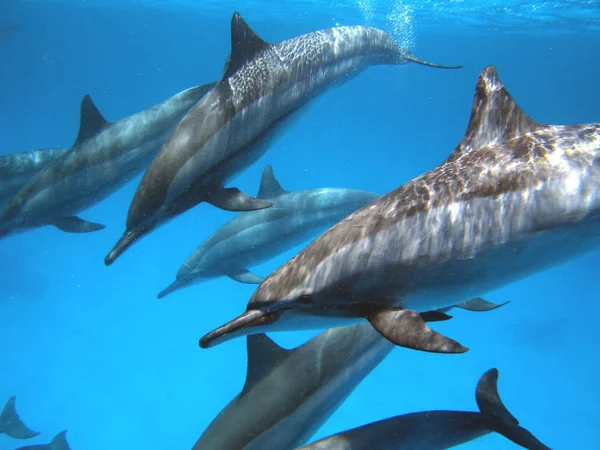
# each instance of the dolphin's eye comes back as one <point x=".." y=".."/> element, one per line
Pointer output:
<point x="305" y="299"/>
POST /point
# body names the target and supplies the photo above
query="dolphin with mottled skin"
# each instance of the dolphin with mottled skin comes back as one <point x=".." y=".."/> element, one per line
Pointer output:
<point x="233" y="125"/>
<point x="437" y="430"/>
<point x="17" y="168"/>
<point x="257" y="236"/>
<point x="12" y="425"/>
<point x="104" y="157"/>
<point x="279" y="409"/>
<point x="59" y="442"/>
<point x="514" y="198"/>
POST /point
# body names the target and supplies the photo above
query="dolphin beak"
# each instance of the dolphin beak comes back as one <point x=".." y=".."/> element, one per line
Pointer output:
<point x="416" y="60"/>
<point x="174" y="286"/>
<point x="128" y="238"/>
<point x="237" y="327"/>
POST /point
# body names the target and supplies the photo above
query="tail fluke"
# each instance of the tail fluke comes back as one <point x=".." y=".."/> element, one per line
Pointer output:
<point x="12" y="425"/>
<point x="500" y="419"/>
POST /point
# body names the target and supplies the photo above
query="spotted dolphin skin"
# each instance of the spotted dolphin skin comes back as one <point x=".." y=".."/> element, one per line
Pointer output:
<point x="17" y="168"/>
<point x="514" y="198"/>
<point x="437" y="430"/>
<point x="59" y="442"/>
<point x="257" y="236"/>
<point x="234" y="124"/>
<point x="12" y="425"/>
<point x="104" y="157"/>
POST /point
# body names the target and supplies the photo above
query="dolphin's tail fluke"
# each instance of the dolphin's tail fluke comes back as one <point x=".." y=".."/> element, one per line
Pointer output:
<point x="499" y="418"/>
<point x="414" y="59"/>
<point x="12" y="425"/>
<point x="174" y="286"/>
<point x="128" y="238"/>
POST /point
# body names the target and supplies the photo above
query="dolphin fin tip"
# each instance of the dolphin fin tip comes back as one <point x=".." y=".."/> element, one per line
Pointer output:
<point x="406" y="328"/>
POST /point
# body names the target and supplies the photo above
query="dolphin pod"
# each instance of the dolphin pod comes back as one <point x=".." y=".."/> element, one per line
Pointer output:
<point x="515" y="197"/>
<point x="104" y="157"/>
<point x="437" y="430"/>
<point x="263" y="86"/>
<point x="256" y="236"/>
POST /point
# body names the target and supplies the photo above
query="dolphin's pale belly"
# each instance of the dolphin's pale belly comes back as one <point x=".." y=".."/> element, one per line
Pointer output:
<point x="445" y="255"/>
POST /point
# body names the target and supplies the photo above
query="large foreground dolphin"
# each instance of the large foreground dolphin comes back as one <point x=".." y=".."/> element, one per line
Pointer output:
<point x="17" y="168"/>
<point x="59" y="442"/>
<point x="514" y="198"/>
<point x="437" y="430"/>
<point x="289" y="394"/>
<point x="104" y="156"/>
<point x="230" y="128"/>
<point x="257" y="236"/>
<point x="12" y="425"/>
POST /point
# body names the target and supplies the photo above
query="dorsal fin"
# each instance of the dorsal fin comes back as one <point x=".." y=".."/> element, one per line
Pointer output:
<point x="495" y="117"/>
<point x="245" y="45"/>
<point x="269" y="186"/>
<point x="263" y="356"/>
<point x="91" y="121"/>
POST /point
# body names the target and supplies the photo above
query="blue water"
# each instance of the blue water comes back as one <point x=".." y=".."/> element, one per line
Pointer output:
<point x="90" y="349"/>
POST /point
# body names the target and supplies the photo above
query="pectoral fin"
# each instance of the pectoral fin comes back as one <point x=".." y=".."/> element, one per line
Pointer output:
<point x="406" y="328"/>
<point x="232" y="199"/>
<point x="479" y="304"/>
<point x="73" y="224"/>
<point x="245" y="276"/>
<point x="435" y="316"/>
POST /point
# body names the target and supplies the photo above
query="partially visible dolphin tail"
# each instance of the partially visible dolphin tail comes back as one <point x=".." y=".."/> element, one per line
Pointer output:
<point x="12" y="425"/>
<point x="499" y="418"/>
<point x="414" y="59"/>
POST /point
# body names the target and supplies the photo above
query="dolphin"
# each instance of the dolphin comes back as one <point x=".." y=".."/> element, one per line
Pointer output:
<point x="278" y="409"/>
<point x="105" y="156"/>
<point x="59" y="442"/>
<point x="233" y="125"/>
<point x="12" y="425"/>
<point x="437" y="430"/>
<point x="17" y="168"/>
<point x="514" y="198"/>
<point x="256" y="236"/>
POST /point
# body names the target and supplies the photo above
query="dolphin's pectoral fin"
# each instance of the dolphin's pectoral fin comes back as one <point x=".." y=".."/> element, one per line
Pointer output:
<point x="406" y="328"/>
<point x="12" y="425"/>
<point x="498" y="418"/>
<point x="245" y="276"/>
<point x="232" y="199"/>
<point x="73" y="224"/>
<point x="435" y="316"/>
<point x="479" y="304"/>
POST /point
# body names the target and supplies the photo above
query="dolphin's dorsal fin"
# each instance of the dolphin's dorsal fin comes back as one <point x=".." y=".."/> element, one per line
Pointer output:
<point x="245" y="45"/>
<point x="60" y="441"/>
<point x="269" y="186"/>
<point x="495" y="117"/>
<point x="91" y="121"/>
<point x="263" y="356"/>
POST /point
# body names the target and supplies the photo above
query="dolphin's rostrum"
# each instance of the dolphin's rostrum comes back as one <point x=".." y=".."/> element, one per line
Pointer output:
<point x="233" y="125"/>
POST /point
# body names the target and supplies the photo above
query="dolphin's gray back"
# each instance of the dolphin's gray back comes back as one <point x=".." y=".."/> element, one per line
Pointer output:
<point x="285" y="407"/>
<point x="430" y="430"/>
<point x="17" y="168"/>
<point x="254" y="237"/>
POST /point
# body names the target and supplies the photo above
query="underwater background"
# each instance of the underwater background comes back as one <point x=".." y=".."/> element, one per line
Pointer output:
<point x="90" y="349"/>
